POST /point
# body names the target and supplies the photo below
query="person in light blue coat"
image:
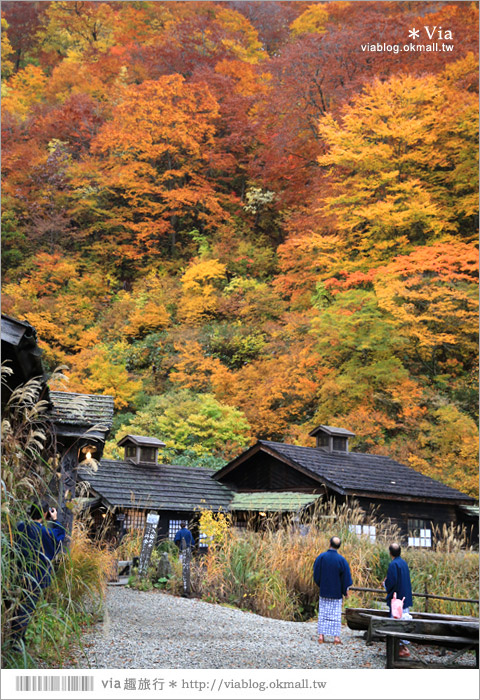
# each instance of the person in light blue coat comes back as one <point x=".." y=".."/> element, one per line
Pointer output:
<point x="331" y="573"/>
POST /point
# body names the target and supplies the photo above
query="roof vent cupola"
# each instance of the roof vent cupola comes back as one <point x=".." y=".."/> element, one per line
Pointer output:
<point x="331" y="439"/>
<point x="140" y="449"/>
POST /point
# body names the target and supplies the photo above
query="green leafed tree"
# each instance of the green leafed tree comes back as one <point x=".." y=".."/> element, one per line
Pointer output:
<point x="196" y="424"/>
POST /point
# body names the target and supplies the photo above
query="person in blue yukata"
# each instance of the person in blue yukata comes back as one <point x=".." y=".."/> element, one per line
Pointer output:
<point x="38" y="541"/>
<point x="183" y="533"/>
<point x="331" y="573"/>
<point x="398" y="581"/>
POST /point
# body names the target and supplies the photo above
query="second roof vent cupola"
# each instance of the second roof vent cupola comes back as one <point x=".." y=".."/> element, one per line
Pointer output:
<point x="331" y="439"/>
<point x="140" y="449"/>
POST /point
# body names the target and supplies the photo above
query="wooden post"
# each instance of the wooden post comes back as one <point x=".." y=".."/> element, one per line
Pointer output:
<point x="186" y="560"/>
<point x="148" y="541"/>
<point x="392" y="652"/>
<point x="426" y="597"/>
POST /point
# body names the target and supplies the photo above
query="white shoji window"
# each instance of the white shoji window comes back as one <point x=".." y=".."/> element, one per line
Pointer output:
<point x="369" y="531"/>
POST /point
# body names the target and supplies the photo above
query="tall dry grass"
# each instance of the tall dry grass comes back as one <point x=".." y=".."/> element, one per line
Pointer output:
<point x="83" y="571"/>
<point x="80" y="573"/>
<point x="451" y="570"/>
<point x="270" y="572"/>
<point x="130" y="546"/>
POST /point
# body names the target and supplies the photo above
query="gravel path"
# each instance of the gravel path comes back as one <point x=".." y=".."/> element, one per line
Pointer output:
<point x="156" y="630"/>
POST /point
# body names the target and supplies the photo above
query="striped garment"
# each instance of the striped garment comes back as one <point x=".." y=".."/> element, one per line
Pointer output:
<point x="329" y="616"/>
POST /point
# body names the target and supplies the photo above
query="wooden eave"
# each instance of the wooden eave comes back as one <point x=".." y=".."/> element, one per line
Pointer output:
<point x="104" y="501"/>
<point x="401" y="498"/>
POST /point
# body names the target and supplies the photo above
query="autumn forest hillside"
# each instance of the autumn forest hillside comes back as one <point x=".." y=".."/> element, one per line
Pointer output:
<point x="242" y="225"/>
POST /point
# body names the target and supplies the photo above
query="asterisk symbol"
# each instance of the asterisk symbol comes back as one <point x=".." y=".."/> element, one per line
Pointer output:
<point x="414" y="33"/>
<point x="173" y="684"/>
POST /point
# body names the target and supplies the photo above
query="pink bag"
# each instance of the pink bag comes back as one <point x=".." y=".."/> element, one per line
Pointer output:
<point x="397" y="607"/>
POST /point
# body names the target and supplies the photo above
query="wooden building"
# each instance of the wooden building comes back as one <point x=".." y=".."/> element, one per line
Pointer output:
<point x="126" y="490"/>
<point x="21" y="354"/>
<point x="80" y="423"/>
<point x="270" y="477"/>
<point x="415" y="503"/>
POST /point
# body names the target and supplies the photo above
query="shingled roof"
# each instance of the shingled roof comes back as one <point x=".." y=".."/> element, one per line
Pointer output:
<point x="141" y="440"/>
<point x="159" y="486"/>
<point x="81" y="409"/>
<point x="332" y="430"/>
<point x="81" y="415"/>
<point x="352" y="473"/>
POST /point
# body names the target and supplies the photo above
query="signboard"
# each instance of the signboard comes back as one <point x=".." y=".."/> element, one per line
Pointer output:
<point x="148" y="541"/>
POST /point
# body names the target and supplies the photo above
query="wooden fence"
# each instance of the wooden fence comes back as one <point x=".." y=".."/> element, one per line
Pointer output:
<point x="428" y="596"/>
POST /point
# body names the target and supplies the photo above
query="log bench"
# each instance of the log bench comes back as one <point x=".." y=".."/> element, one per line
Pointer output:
<point x="359" y="618"/>
<point x="459" y="635"/>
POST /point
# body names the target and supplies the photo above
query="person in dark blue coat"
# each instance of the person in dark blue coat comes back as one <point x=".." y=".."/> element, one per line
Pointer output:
<point x="331" y="573"/>
<point x="38" y="541"/>
<point x="183" y="533"/>
<point x="398" y="581"/>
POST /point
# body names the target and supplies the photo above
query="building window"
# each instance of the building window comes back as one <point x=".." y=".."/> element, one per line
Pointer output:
<point x="173" y="528"/>
<point x="202" y="540"/>
<point x="369" y="531"/>
<point x="419" y="533"/>
<point x="147" y="454"/>
<point x="130" y="452"/>
<point x="135" y="520"/>
<point x="340" y="444"/>
<point x="323" y="440"/>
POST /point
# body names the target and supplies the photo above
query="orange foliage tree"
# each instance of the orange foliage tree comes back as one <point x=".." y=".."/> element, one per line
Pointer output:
<point x="153" y="157"/>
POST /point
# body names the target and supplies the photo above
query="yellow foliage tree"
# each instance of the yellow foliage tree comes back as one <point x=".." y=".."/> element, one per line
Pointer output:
<point x="312" y="21"/>
<point x="23" y="90"/>
<point x="58" y="293"/>
<point x="214" y="526"/>
<point x="7" y="51"/>
<point x="431" y="296"/>
<point x="392" y="164"/>
<point x="449" y="449"/>
<point x="73" y="28"/>
<point x="246" y="47"/>
<point x="199" y="290"/>
<point x="96" y="370"/>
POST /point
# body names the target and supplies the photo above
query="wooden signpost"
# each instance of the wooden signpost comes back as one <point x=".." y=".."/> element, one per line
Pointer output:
<point x="186" y="555"/>
<point x="148" y="542"/>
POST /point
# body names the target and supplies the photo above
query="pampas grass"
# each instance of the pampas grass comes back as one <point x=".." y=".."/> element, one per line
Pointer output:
<point x="270" y="571"/>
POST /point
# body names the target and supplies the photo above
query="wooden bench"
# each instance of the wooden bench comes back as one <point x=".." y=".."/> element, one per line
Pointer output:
<point x="459" y="635"/>
<point x="378" y="626"/>
<point x="359" y="618"/>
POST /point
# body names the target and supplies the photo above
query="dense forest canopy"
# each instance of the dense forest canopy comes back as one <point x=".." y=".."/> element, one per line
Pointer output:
<point x="240" y="224"/>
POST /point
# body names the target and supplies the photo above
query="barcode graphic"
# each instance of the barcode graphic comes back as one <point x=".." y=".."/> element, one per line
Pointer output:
<point x="50" y="683"/>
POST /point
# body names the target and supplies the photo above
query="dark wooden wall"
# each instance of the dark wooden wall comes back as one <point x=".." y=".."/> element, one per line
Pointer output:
<point x="263" y="472"/>
<point x="399" y="512"/>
